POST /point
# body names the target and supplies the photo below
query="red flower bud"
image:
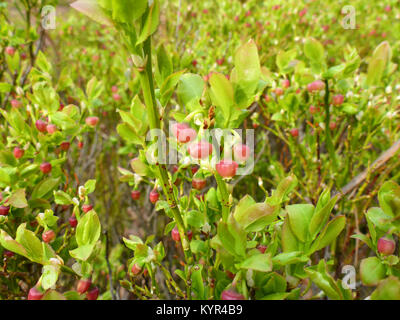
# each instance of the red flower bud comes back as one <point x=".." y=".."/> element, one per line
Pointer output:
<point x="175" y="234"/>
<point x="198" y="184"/>
<point x="34" y="294"/>
<point x="154" y="196"/>
<point x="45" y="167"/>
<point x="135" y="194"/>
<point x="83" y="285"/>
<point x="231" y="295"/>
<point x="200" y="150"/>
<point x="227" y="168"/>
<point x="48" y="236"/>
<point x="93" y="294"/>
<point x="386" y="246"/>
<point x="86" y="208"/>
<point x="18" y="152"/>
<point x="41" y="125"/>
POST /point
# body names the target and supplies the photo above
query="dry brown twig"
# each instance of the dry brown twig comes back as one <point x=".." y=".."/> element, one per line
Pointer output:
<point x="376" y="165"/>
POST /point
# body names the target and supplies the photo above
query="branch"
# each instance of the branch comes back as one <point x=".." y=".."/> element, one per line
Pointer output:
<point x="378" y="163"/>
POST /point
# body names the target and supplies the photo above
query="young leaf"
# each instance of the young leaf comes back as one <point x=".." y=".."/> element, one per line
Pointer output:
<point x="258" y="262"/>
<point x="92" y="10"/>
<point x="222" y="93"/>
<point x="388" y="289"/>
<point x="372" y="271"/>
<point x="330" y="233"/>
<point x="299" y="218"/>
<point x="128" y="11"/>
<point x="256" y="217"/>
<point x="190" y="89"/>
<point x="151" y="22"/>
<point x="247" y="69"/>
<point x="289" y="240"/>
<point x="18" y="199"/>
<point x="30" y="242"/>
<point x="88" y="229"/>
<point x="320" y="217"/>
<point x="60" y="197"/>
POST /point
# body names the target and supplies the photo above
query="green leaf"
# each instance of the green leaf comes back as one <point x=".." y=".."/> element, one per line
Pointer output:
<point x="82" y="252"/>
<point x="128" y="11"/>
<point x="314" y="50"/>
<point x="18" y="199"/>
<point x="258" y="262"/>
<point x="168" y="87"/>
<point x="132" y="242"/>
<point x="324" y="281"/>
<point x="299" y="218"/>
<point x="376" y="68"/>
<point x="53" y="295"/>
<point x="275" y="283"/>
<point x="247" y="68"/>
<point x="73" y="295"/>
<point x="44" y="187"/>
<point x="349" y="108"/>
<point x="128" y="133"/>
<point x="330" y="233"/>
<point x="333" y="71"/>
<point x="88" y="229"/>
<point x="90" y="186"/>
<point x="92" y="10"/>
<point x="378" y="64"/>
<point x="388" y="289"/>
<point x="379" y="219"/>
<point x="276" y="296"/>
<point x="5" y="87"/>
<point x="285" y="59"/>
<point x="190" y="89"/>
<point x="232" y="237"/>
<point x="139" y="167"/>
<point x="151" y="22"/>
<point x="164" y="65"/>
<point x="139" y="112"/>
<point x="49" y="219"/>
<point x="364" y="239"/>
<point x="320" y="217"/>
<point x="197" y="282"/>
<point x="286" y="258"/>
<point x="198" y="246"/>
<point x="222" y="93"/>
<point x="10" y="244"/>
<point x="63" y="198"/>
<point x="49" y="276"/>
<point x="372" y="271"/>
<point x="389" y="198"/>
<point x="31" y="243"/>
<point x="256" y="217"/>
<point x="195" y="219"/>
<point x="283" y="189"/>
<point x="289" y="240"/>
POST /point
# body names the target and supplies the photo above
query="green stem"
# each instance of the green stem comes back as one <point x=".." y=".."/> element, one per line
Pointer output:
<point x="146" y="80"/>
<point x="329" y="143"/>
<point x="224" y="196"/>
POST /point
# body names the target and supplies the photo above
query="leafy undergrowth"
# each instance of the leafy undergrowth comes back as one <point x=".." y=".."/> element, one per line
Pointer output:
<point x="199" y="150"/>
